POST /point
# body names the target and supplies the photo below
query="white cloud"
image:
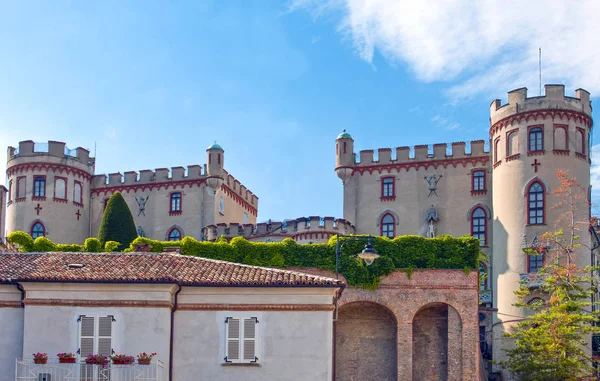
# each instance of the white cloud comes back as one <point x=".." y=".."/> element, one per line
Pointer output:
<point x="485" y="46"/>
<point x="445" y="123"/>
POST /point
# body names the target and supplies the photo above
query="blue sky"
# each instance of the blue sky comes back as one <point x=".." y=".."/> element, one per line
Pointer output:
<point x="274" y="82"/>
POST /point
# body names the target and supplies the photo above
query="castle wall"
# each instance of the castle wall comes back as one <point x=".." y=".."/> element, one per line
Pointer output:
<point x="3" y="200"/>
<point x="64" y="219"/>
<point x="516" y="168"/>
<point x="453" y="197"/>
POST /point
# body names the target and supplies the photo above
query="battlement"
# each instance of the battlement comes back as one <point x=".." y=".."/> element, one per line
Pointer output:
<point x="28" y="148"/>
<point x="422" y="152"/>
<point x="287" y="228"/>
<point x="166" y="175"/>
<point x="554" y="98"/>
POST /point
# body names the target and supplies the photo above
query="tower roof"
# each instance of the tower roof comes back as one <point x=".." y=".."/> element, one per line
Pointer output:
<point x="344" y="135"/>
<point x="215" y="146"/>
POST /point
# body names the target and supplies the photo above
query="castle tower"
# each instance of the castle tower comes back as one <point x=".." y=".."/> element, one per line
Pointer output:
<point x="344" y="156"/>
<point x="49" y="190"/>
<point x="214" y="167"/>
<point x="531" y="138"/>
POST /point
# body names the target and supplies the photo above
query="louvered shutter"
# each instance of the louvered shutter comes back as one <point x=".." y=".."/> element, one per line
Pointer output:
<point x="249" y="340"/>
<point x="105" y="335"/>
<point x="233" y="340"/>
<point x="86" y="336"/>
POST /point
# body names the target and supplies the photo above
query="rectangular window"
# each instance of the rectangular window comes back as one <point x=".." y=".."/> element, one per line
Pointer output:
<point x="95" y="337"/>
<point x="536" y="262"/>
<point x="175" y="202"/>
<point x="478" y="180"/>
<point x="39" y="186"/>
<point x="240" y="341"/>
<point x="245" y="218"/>
<point x="10" y="190"/>
<point x="536" y="139"/>
<point x="387" y="187"/>
<point x="78" y="192"/>
<point x="21" y="187"/>
<point x="60" y="188"/>
<point x="221" y="205"/>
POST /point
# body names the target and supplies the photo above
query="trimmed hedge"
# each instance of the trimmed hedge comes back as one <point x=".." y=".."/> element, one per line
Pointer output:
<point x="117" y="223"/>
<point x="407" y="252"/>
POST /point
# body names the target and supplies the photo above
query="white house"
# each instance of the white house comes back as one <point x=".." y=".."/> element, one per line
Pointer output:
<point x="205" y="319"/>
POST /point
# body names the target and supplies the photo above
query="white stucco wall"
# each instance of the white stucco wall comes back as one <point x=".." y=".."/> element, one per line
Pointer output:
<point x="292" y="345"/>
<point x="11" y="331"/>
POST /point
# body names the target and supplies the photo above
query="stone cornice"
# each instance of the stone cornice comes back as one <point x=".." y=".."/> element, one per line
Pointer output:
<point x="126" y="188"/>
<point x="543" y="113"/>
<point x="60" y="168"/>
<point x="98" y="303"/>
<point x="464" y="161"/>
<point x="255" y="307"/>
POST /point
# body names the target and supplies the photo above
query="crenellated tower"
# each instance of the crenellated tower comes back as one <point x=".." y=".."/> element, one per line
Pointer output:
<point x="49" y="190"/>
<point x="531" y="138"/>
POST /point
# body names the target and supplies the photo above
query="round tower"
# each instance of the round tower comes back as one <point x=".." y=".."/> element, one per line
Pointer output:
<point x="214" y="169"/>
<point x="344" y="155"/>
<point x="49" y="191"/>
<point x="532" y="138"/>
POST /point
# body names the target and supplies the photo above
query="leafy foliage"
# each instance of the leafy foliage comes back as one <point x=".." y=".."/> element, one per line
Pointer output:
<point x="550" y="344"/>
<point x="117" y="223"/>
<point x="111" y="246"/>
<point x="405" y="252"/>
<point x="22" y="240"/>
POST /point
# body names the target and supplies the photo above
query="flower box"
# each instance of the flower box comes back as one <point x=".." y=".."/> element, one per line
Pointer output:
<point x="40" y="361"/>
<point x="144" y="362"/>
<point x="40" y="358"/>
<point x="72" y="360"/>
<point x="121" y="359"/>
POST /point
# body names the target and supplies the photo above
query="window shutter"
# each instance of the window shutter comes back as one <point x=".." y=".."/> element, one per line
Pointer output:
<point x="233" y="340"/>
<point x="105" y="335"/>
<point x="250" y="340"/>
<point x="86" y="336"/>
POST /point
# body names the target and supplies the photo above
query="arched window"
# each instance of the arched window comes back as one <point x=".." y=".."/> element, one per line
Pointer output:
<point x="479" y="225"/>
<point x="560" y="138"/>
<point x="536" y="139"/>
<point x="496" y="150"/>
<point x="77" y="191"/>
<point x="387" y="226"/>
<point x="174" y="234"/>
<point x="580" y="141"/>
<point x="535" y="207"/>
<point x="39" y="186"/>
<point x="512" y="143"/>
<point x="38" y="230"/>
<point x="60" y="188"/>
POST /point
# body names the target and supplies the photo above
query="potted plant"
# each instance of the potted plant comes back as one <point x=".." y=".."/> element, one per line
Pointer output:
<point x="97" y="360"/>
<point x="122" y="359"/>
<point x="66" y="358"/>
<point x="40" y="358"/>
<point x="145" y="358"/>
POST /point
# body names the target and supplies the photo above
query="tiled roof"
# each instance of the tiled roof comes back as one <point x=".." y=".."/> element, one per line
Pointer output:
<point x="147" y="268"/>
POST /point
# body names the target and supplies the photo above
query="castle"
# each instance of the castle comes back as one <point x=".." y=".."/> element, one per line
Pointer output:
<point x="501" y="196"/>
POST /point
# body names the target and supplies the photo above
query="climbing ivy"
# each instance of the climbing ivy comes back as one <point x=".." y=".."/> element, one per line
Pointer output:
<point x="409" y="252"/>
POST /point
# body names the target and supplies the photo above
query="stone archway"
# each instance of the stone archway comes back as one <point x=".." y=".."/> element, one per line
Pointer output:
<point x="366" y="343"/>
<point x="437" y="343"/>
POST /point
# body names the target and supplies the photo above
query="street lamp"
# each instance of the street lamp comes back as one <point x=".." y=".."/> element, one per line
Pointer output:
<point x="369" y="254"/>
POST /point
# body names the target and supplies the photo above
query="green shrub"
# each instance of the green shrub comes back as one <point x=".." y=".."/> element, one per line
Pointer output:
<point x="23" y="240"/>
<point x="111" y="246"/>
<point x="43" y="245"/>
<point x="68" y="247"/>
<point x="117" y="223"/>
<point x="92" y="245"/>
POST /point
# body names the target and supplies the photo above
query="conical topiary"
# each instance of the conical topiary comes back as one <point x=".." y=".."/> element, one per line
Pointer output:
<point x="117" y="223"/>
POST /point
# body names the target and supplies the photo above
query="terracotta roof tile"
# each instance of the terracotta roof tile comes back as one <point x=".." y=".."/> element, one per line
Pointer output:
<point x="147" y="268"/>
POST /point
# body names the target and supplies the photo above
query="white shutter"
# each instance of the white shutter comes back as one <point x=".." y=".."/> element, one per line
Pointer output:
<point x="233" y="340"/>
<point x="86" y="336"/>
<point x="105" y="335"/>
<point x="249" y="340"/>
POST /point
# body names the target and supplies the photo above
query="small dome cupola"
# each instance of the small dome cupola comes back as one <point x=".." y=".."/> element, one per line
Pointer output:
<point x="344" y="155"/>
<point x="344" y="135"/>
<point x="214" y="146"/>
<point x="215" y="156"/>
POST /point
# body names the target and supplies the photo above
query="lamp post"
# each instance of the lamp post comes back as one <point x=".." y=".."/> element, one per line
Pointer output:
<point x="369" y="254"/>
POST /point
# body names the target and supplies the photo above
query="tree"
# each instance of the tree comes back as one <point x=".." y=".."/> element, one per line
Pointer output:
<point x="551" y="343"/>
<point x="117" y="223"/>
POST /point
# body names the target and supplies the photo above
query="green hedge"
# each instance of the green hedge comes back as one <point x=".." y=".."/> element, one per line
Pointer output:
<point x="404" y="252"/>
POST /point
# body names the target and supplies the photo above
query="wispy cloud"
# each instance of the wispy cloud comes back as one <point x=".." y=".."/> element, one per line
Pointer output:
<point x="478" y="47"/>
<point x="444" y="123"/>
<point x="315" y="39"/>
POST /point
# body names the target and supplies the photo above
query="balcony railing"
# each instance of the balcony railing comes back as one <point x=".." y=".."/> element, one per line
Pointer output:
<point x="485" y="296"/>
<point x="27" y="370"/>
<point x="532" y="280"/>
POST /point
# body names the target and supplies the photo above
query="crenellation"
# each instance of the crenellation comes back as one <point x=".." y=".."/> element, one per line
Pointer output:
<point x="236" y="185"/>
<point x="56" y="148"/>
<point x="478" y="148"/>
<point x="146" y="175"/>
<point x="178" y="173"/>
<point x="162" y="174"/>
<point x="131" y="177"/>
<point x="243" y="191"/>
<point x="366" y="157"/>
<point x="194" y="171"/>
<point x="458" y="149"/>
<point x="384" y="155"/>
<point x="422" y="152"/>
<point x="402" y="154"/>
<point x="83" y="155"/>
<point x="26" y="147"/>
<point x="115" y="179"/>
<point x="440" y="150"/>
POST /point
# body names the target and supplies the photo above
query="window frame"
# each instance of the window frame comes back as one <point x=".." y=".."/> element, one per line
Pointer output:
<point x="473" y="176"/>
<point x="172" y="197"/>
<point x="56" y="178"/>
<point x="496" y="150"/>
<point x="393" y="223"/>
<point x="565" y="128"/>
<point x="171" y="230"/>
<point x="20" y="198"/>
<point x="10" y="190"/>
<point x="542" y="208"/>
<point x="241" y="340"/>
<point x="580" y="150"/>
<point x="41" y="196"/>
<point x="483" y="243"/>
<point x="75" y="184"/>
<point x="221" y="205"/>
<point x="392" y="184"/>
<point x="529" y="141"/>
<point x="541" y="255"/>
<point x="508" y="147"/>
<point x="33" y="225"/>
<point x="483" y="285"/>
